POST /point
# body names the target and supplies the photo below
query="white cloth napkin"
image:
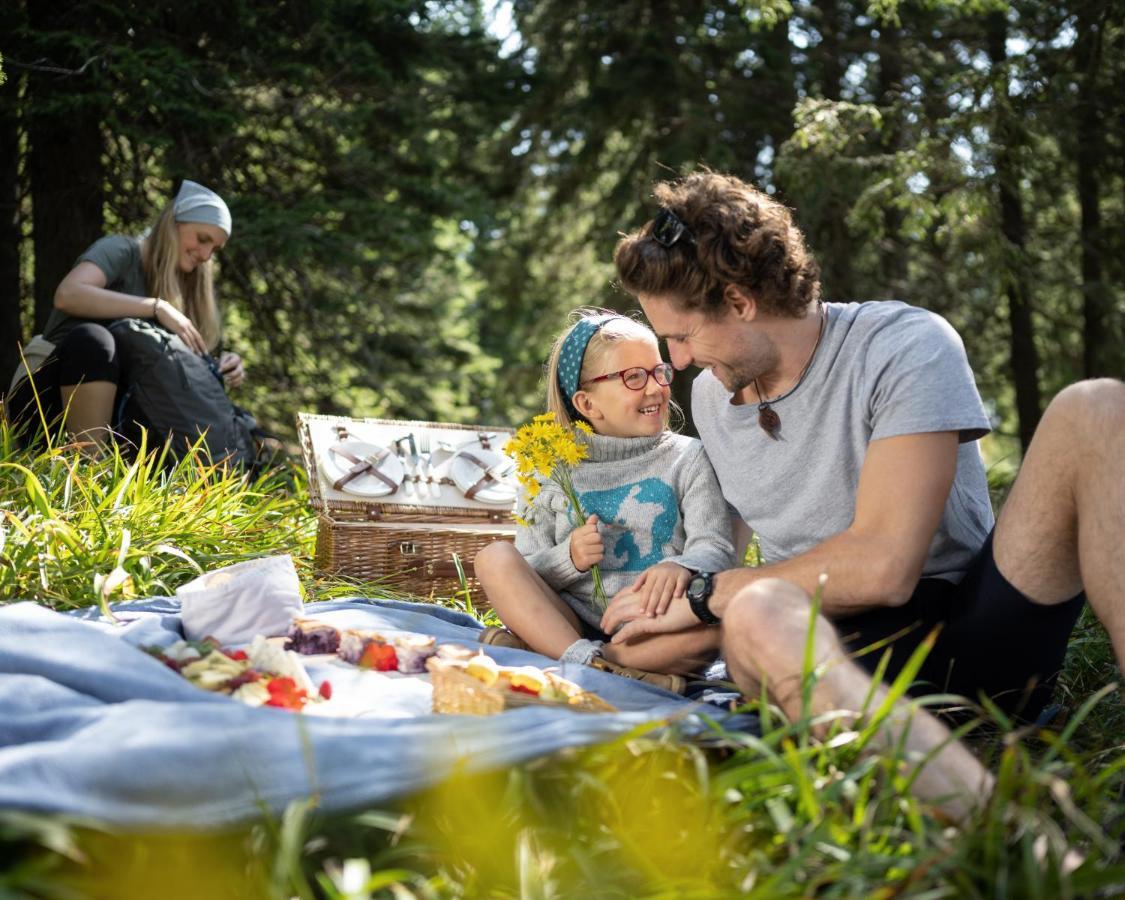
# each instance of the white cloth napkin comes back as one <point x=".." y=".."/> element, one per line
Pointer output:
<point x="233" y="604"/>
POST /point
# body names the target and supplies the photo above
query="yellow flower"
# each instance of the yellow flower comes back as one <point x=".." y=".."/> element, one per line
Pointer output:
<point x="545" y="448"/>
<point x="571" y="454"/>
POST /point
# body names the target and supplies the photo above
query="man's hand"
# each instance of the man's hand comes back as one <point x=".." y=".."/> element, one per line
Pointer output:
<point x="586" y="546"/>
<point x="625" y="618"/>
<point x="230" y="367"/>
<point x="658" y="584"/>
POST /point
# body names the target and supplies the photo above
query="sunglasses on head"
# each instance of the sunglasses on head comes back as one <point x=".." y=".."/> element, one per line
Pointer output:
<point x="636" y="377"/>
<point x="668" y="228"/>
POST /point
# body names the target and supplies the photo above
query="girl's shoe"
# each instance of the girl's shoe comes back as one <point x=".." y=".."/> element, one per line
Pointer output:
<point x="502" y="637"/>
<point x="674" y="683"/>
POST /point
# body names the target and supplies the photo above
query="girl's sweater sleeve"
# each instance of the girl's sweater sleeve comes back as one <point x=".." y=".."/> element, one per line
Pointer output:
<point x="708" y="541"/>
<point x="536" y="539"/>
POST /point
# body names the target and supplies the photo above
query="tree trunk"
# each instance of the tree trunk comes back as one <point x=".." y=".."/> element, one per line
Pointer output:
<point x="11" y="321"/>
<point x="892" y="254"/>
<point x="777" y="52"/>
<point x="839" y="250"/>
<point x="65" y="160"/>
<point x="1096" y="335"/>
<point x="1006" y="136"/>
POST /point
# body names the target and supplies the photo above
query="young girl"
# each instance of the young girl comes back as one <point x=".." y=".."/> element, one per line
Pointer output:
<point x="654" y="506"/>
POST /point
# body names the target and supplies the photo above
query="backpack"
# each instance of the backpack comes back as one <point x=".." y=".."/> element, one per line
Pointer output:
<point x="179" y="395"/>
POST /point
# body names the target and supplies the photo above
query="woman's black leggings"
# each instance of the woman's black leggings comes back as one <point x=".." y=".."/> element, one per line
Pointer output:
<point x="87" y="353"/>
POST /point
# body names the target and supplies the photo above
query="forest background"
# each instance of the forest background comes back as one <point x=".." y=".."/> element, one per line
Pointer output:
<point x="422" y="190"/>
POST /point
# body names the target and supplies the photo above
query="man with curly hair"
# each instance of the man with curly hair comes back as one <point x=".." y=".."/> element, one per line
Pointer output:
<point x="845" y="435"/>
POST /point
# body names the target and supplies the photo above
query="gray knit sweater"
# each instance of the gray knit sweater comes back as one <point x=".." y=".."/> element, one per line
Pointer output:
<point x="657" y="499"/>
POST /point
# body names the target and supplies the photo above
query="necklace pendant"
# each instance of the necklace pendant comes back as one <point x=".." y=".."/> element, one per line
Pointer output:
<point x="769" y="420"/>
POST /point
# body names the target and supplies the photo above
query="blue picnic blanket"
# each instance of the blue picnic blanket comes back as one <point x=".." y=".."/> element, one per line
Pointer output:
<point x="92" y="726"/>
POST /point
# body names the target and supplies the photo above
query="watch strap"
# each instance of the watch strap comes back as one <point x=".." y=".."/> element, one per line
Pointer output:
<point x="698" y="600"/>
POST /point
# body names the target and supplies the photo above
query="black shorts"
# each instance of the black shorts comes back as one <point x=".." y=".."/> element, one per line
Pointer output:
<point x="993" y="640"/>
<point x="87" y="353"/>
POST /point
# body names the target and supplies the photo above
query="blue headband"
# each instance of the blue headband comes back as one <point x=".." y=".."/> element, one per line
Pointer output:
<point x="573" y="352"/>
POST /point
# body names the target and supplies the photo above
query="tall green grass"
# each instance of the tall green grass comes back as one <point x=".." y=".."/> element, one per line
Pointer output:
<point x="77" y="531"/>
<point x="657" y="814"/>
<point x="651" y="815"/>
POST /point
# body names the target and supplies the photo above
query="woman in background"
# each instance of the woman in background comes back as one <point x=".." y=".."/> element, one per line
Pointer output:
<point x="165" y="275"/>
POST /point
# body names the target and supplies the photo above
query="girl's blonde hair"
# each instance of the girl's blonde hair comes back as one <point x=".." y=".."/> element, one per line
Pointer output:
<point x="192" y="293"/>
<point x="616" y="330"/>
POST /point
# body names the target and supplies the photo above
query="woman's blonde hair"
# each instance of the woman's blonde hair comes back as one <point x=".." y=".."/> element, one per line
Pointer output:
<point x="192" y="293"/>
<point x="616" y="330"/>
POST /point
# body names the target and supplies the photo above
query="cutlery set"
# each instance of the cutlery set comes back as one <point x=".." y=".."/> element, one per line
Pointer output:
<point x="423" y="473"/>
<point x="421" y="476"/>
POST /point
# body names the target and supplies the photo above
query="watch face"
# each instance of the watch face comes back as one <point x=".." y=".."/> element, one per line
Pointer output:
<point x="696" y="586"/>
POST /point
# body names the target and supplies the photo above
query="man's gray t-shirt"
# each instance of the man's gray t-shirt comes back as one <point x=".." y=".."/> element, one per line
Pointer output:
<point x="119" y="258"/>
<point x="883" y="369"/>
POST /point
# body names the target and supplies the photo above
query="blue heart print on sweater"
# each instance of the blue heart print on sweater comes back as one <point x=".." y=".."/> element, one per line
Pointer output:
<point x="650" y="501"/>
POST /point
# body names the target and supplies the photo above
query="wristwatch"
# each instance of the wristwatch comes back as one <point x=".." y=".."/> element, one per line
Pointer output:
<point x="699" y="590"/>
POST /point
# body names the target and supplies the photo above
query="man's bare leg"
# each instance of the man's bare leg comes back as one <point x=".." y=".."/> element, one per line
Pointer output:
<point x="764" y="633"/>
<point x="1060" y="529"/>
<point x="89" y="410"/>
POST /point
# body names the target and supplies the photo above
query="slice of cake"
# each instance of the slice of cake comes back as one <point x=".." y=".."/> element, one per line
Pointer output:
<point x="355" y="644"/>
<point x="413" y="650"/>
<point x="309" y="636"/>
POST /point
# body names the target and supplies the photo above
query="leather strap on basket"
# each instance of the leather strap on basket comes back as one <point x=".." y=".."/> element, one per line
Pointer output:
<point x="359" y="467"/>
<point x="485" y="479"/>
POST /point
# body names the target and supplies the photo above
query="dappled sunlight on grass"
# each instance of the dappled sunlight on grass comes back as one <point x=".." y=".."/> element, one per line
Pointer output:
<point x="77" y="531"/>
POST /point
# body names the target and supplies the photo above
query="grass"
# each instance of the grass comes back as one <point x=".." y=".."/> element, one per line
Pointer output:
<point x="657" y="814"/>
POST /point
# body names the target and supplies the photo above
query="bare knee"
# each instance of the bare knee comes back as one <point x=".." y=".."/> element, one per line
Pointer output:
<point x="497" y="557"/>
<point x="767" y="610"/>
<point x="1092" y="408"/>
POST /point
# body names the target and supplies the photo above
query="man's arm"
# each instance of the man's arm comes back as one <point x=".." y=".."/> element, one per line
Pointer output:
<point x="876" y="561"/>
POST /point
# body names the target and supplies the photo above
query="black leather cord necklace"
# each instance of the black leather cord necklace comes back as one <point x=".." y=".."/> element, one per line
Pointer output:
<point x="768" y="418"/>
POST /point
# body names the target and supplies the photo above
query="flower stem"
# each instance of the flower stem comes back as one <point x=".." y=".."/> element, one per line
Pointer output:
<point x="563" y="479"/>
<point x="600" y="599"/>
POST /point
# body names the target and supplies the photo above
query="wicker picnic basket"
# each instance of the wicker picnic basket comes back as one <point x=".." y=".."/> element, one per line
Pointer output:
<point x="407" y="540"/>
<point x="458" y="693"/>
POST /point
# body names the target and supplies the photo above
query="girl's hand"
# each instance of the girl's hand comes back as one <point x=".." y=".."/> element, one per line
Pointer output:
<point x="658" y="585"/>
<point x="625" y="621"/>
<point x="177" y="323"/>
<point x="230" y="367"/>
<point x="586" y="547"/>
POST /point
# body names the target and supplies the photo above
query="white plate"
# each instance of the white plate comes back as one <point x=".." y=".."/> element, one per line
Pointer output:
<point x="466" y="473"/>
<point x="335" y="466"/>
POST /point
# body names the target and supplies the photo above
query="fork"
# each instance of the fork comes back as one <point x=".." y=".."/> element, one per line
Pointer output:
<point x="407" y="483"/>
<point x="428" y="465"/>
<point x="415" y="459"/>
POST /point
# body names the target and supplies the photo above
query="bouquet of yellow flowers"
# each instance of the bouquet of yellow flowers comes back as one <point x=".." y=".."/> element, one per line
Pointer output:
<point x="543" y="450"/>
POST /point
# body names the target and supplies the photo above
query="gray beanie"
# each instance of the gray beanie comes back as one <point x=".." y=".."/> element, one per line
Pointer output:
<point x="195" y="203"/>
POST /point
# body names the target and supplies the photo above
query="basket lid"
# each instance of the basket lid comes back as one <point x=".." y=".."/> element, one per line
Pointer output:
<point x="427" y="471"/>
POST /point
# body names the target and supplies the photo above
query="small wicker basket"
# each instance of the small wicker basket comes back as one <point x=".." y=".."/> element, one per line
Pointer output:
<point x="458" y="693"/>
<point x="404" y="542"/>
